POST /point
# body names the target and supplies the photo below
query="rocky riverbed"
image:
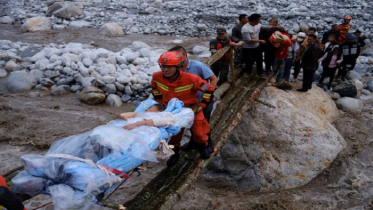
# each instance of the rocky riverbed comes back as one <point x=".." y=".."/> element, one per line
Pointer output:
<point x="73" y="48"/>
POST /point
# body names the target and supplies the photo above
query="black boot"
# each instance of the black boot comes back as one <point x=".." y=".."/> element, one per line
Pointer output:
<point x="189" y="146"/>
<point x="203" y="151"/>
<point x="174" y="158"/>
<point x="210" y="144"/>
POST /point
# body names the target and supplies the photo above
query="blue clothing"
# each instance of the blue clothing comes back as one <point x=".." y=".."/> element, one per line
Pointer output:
<point x="199" y="69"/>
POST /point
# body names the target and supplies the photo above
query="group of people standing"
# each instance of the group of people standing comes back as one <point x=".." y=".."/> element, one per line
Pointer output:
<point x="337" y="50"/>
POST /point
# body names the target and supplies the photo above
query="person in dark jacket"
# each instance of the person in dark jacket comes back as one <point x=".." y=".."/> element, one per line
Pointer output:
<point x="309" y="63"/>
<point x="360" y="44"/>
<point x="349" y="51"/>
<point x="334" y="30"/>
<point x="7" y="198"/>
<point x="332" y="60"/>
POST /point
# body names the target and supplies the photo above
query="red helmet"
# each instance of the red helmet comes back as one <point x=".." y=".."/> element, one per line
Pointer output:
<point x="171" y="58"/>
<point x="347" y="17"/>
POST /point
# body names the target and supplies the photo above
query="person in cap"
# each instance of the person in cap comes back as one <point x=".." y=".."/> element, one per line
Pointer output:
<point x="344" y="29"/>
<point x="299" y="45"/>
<point x="221" y="66"/>
<point x="170" y="83"/>
<point x="349" y="52"/>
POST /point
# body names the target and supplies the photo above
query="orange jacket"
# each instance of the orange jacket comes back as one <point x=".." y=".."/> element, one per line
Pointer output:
<point x="344" y="29"/>
<point x="185" y="88"/>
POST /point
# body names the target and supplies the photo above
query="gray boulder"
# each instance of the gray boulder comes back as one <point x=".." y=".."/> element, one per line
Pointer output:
<point x="6" y="20"/>
<point x="349" y="104"/>
<point x="10" y="65"/>
<point x="3" y="73"/>
<point x="111" y="29"/>
<point x="109" y="88"/>
<point x="303" y="27"/>
<point x="36" y="24"/>
<point x="353" y="75"/>
<point x="199" y="49"/>
<point x="19" y="81"/>
<point x="113" y="100"/>
<point x="370" y="86"/>
<point x="92" y="95"/>
<point x="60" y="90"/>
<point x="53" y="8"/>
<point x="68" y="11"/>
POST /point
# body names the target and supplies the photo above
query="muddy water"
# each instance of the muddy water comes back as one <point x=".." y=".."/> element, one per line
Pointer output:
<point x="31" y="121"/>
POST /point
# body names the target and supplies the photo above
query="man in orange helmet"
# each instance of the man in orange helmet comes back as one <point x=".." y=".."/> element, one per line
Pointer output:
<point x="170" y="83"/>
<point x="344" y="29"/>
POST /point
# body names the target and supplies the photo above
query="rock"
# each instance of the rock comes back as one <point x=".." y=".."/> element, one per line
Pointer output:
<point x="349" y="104"/>
<point x="66" y="81"/>
<point x="370" y="86"/>
<point x="367" y="16"/>
<point x="79" y="24"/>
<point x="3" y="73"/>
<point x="119" y="86"/>
<point x="130" y="56"/>
<point x="359" y="86"/>
<point x="23" y="79"/>
<point x="98" y="83"/>
<point x="60" y="90"/>
<point x="346" y="89"/>
<point x="366" y="92"/>
<point x="87" y="62"/>
<point x="157" y="3"/>
<point x="125" y="98"/>
<point x="46" y="82"/>
<point x="138" y="61"/>
<point x="201" y="26"/>
<point x="113" y="100"/>
<point x="296" y="27"/>
<point x="53" y="8"/>
<point x="123" y="79"/>
<point x="6" y="20"/>
<point x="108" y="79"/>
<point x="353" y="75"/>
<point x="128" y="90"/>
<point x="10" y="65"/>
<point x="152" y="69"/>
<point x="36" y="24"/>
<point x="334" y="95"/>
<point x="75" y="88"/>
<point x="138" y="45"/>
<point x="68" y="11"/>
<point x="303" y="27"/>
<point x="121" y="60"/>
<point x="109" y="88"/>
<point x="111" y="29"/>
<point x="289" y="145"/>
<point x="92" y="95"/>
<point x="87" y="81"/>
<point x="199" y="49"/>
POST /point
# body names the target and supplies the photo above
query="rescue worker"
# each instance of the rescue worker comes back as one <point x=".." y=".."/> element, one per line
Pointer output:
<point x="202" y="70"/>
<point x="221" y="66"/>
<point x="7" y="198"/>
<point x="170" y="83"/>
<point x="344" y="29"/>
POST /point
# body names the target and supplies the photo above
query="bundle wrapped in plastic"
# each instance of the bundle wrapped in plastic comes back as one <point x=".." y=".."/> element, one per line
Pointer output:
<point x="82" y="163"/>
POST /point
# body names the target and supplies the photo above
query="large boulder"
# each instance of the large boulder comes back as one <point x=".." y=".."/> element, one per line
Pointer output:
<point x="36" y="24"/>
<point x="6" y="20"/>
<point x="53" y="8"/>
<point x="280" y="147"/>
<point x="19" y="81"/>
<point x="92" y="95"/>
<point x="113" y="100"/>
<point x="111" y="29"/>
<point x="349" y="104"/>
<point x="68" y="11"/>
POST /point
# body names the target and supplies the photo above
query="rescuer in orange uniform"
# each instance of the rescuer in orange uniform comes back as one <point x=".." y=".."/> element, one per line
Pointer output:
<point x="8" y="199"/>
<point x="170" y="83"/>
<point x="344" y="29"/>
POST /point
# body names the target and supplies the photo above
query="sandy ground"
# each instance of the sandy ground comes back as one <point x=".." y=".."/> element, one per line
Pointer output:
<point x="31" y="121"/>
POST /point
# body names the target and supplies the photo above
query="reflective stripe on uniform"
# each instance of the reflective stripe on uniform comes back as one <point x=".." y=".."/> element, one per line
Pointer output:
<point x="164" y="87"/>
<point x="183" y="88"/>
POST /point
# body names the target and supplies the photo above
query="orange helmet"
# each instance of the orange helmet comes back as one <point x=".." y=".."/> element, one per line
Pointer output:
<point x="171" y="58"/>
<point x="347" y="17"/>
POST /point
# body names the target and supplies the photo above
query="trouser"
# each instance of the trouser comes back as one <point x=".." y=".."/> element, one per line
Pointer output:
<point x="251" y="56"/>
<point x="208" y="109"/>
<point x="308" y="78"/>
<point x="199" y="129"/>
<point x="297" y="67"/>
<point x="328" y="72"/>
<point x="345" y="67"/>
<point x="269" y="58"/>
<point x="9" y="200"/>
<point x="221" y="70"/>
<point x="285" y="70"/>
<point x="238" y="56"/>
